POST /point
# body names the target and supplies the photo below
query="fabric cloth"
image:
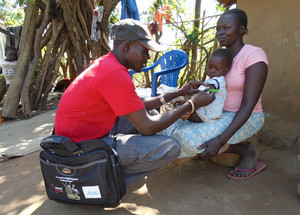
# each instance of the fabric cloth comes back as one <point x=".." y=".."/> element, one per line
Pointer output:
<point x="8" y="68"/>
<point x="213" y="111"/>
<point x="2" y="45"/>
<point x="10" y="41"/>
<point x="129" y="10"/>
<point x="191" y="135"/>
<point x="95" y="29"/>
<point x="163" y="13"/>
<point x="93" y="101"/>
<point x="235" y="78"/>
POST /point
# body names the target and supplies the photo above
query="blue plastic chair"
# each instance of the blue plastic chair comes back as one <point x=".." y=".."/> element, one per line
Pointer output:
<point x="170" y="65"/>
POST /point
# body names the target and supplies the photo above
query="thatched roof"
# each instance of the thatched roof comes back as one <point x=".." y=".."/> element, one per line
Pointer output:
<point x="227" y="3"/>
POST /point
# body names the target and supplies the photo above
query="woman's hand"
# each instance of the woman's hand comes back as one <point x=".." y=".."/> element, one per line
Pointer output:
<point x="212" y="147"/>
<point x="190" y="88"/>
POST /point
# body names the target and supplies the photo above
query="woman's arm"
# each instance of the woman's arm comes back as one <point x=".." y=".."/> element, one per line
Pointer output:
<point x="255" y="78"/>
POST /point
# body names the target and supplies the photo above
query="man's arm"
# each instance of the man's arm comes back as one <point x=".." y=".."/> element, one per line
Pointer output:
<point x="155" y="102"/>
<point x="149" y="125"/>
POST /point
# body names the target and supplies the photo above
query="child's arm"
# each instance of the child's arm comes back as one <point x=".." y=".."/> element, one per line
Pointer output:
<point x="194" y="117"/>
<point x="212" y="86"/>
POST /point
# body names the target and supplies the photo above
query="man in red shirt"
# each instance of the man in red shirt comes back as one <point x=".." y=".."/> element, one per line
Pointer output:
<point x="91" y="104"/>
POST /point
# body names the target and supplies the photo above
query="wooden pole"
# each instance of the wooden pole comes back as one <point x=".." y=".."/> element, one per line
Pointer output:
<point x="9" y="33"/>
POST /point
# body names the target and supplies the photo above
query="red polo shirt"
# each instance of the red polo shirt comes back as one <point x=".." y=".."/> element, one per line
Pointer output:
<point x="93" y="101"/>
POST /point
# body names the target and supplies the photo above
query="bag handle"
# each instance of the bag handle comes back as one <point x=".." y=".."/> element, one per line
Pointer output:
<point x="65" y="141"/>
<point x="72" y="147"/>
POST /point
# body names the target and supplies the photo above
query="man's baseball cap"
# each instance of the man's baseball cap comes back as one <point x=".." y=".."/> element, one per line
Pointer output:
<point x="132" y="30"/>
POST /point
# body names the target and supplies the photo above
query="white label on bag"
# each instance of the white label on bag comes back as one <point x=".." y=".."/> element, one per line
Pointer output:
<point x="91" y="192"/>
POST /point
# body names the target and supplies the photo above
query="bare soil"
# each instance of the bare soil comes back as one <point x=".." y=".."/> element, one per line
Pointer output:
<point x="196" y="188"/>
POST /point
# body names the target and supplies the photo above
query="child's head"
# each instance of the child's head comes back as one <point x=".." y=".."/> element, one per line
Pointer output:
<point x="11" y="53"/>
<point x="219" y="63"/>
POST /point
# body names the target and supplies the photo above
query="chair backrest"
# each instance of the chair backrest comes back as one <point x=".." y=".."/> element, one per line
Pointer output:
<point x="170" y="64"/>
<point x="170" y="60"/>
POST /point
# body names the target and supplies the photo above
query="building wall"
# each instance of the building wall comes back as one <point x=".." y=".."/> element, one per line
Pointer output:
<point x="275" y="26"/>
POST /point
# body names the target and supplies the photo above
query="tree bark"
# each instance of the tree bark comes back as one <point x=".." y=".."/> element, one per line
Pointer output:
<point x="2" y="87"/>
<point x="38" y="85"/>
<point x="53" y="75"/>
<point x="33" y="64"/>
<point x="72" y="69"/>
<point x="196" y="33"/>
<point x="68" y="14"/>
<point x="74" y="18"/>
<point x="25" y="53"/>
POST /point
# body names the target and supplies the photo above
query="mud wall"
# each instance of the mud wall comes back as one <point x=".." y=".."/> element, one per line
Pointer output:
<point x="275" y="26"/>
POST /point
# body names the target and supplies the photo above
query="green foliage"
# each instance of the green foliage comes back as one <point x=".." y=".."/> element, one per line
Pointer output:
<point x="220" y="8"/>
<point x="115" y="15"/>
<point x="11" y="14"/>
<point x="188" y="37"/>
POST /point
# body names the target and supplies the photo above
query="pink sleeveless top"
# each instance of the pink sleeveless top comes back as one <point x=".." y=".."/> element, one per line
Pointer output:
<point x="235" y="78"/>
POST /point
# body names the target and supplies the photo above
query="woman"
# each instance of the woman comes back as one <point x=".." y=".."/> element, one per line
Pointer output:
<point x="242" y="116"/>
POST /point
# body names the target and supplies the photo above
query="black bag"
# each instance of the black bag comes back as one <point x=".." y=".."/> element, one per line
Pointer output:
<point x="87" y="172"/>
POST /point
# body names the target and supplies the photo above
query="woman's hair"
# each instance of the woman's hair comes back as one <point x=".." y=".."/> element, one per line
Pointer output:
<point x="225" y="53"/>
<point x="240" y="16"/>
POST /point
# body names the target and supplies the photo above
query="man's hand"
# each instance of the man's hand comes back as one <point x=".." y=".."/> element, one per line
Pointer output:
<point x="190" y="88"/>
<point x="203" y="99"/>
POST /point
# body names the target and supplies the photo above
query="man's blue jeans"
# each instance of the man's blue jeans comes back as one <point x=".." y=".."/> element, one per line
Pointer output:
<point x="141" y="155"/>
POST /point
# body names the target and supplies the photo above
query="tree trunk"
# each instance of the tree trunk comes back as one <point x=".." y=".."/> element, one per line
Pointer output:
<point x="33" y="64"/>
<point x="48" y="61"/>
<point x="198" y="74"/>
<point x="72" y="70"/>
<point x="25" y="53"/>
<point x="2" y="87"/>
<point x="196" y="33"/>
<point x="65" y="27"/>
<point x="71" y="23"/>
<point x="64" y="40"/>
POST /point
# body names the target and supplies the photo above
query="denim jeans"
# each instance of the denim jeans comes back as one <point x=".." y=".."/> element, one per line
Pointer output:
<point x="141" y="155"/>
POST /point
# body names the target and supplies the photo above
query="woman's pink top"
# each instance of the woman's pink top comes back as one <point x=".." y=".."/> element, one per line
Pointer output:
<point x="235" y="78"/>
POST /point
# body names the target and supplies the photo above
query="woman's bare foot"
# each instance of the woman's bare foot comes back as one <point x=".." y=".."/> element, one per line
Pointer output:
<point x="249" y="156"/>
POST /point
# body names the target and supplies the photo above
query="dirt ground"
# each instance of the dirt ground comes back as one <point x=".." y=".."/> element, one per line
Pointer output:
<point x="198" y="188"/>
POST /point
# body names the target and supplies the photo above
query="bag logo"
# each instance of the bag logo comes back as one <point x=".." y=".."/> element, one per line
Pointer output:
<point x="71" y="191"/>
<point x="57" y="189"/>
<point x="66" y="171"/>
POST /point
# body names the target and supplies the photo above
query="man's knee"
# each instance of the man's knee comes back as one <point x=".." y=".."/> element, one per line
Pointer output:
<point x="173" y="148"/>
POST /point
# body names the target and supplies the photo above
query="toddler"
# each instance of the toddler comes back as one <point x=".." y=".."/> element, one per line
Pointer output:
<point x="218" y="65"/>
